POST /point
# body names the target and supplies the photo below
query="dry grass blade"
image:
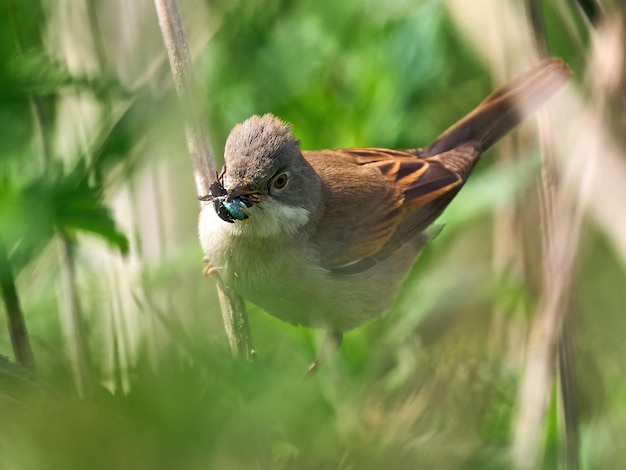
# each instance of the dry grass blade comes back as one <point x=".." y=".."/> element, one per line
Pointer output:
<point x="561" y="223"/>
<point x="568" y="380"/>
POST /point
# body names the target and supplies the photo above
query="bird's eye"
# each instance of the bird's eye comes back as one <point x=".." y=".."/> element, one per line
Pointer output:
<point x="280" y="181"/>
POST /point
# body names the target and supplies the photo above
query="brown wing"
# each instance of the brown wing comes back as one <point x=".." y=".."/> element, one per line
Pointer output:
<point x="364" y="223"/>
<point x="427" y="198"/>
<point x="408" y="190"/>
<point x="358" y="220"/>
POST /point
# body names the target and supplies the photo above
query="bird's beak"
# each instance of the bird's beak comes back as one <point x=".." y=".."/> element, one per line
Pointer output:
<point x="239" y="191"/>
<point x="244" y="193"/>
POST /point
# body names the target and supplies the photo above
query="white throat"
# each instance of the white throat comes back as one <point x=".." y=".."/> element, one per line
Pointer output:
<point x="266" y="219"/>
<point x="271" y="218"/>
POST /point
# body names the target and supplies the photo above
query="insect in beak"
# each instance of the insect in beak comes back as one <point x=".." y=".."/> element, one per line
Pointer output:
<point x="230" y="205"/>
<point x="248" y="196"/>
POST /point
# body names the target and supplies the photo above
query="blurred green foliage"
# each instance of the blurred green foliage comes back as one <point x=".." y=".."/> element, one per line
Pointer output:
<point x="344" y="74"/>
<point x="39" y="194"/>
<point x="433" y="384"/>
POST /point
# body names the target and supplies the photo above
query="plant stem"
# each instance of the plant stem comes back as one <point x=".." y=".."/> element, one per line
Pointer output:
<point x="199" y="145"/>
<point x="560" y="229"/>
<point x="71" y="318"/>
<point x="17" y="325"/>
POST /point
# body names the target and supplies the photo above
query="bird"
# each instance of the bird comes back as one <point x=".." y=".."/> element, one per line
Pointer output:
<point x="326" y="238"/>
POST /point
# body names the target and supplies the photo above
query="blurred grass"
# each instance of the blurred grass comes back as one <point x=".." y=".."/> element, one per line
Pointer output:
<point x="432" y="384"/>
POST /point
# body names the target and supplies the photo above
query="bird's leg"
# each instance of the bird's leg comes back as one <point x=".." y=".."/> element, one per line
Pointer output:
<point x="332" y="342"/>
<point x="209" y="269"/>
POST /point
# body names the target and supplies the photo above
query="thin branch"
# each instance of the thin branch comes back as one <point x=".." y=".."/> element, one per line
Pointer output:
<point x="17" y="325"/>
<point x="535" y="16"/>
<point x="235" y="322"/>
<point x="199" y="145"/>
<point x="198" y="139"/>
<point x="570" y="419"/>
<point x="561" y="222"/>
<point x="71" y="318"/>
<point x="592" y="10"/>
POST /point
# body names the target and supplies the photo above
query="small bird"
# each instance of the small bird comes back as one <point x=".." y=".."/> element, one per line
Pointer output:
<point x="326" y="238"/>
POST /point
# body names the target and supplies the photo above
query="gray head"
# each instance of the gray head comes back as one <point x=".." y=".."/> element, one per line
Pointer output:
<point x="263" y="158"/>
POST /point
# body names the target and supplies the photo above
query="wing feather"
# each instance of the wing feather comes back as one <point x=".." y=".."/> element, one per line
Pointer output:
<point x="376" y="213"/>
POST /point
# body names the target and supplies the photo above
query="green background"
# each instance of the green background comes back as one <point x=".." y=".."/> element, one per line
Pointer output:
<point x="93" y="157"/>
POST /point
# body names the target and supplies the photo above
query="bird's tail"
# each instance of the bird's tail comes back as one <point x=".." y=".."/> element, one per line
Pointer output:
<point x="505" y="108"/>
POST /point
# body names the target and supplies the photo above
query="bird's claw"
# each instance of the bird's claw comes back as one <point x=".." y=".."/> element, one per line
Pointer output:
<point x="209" y="269"/>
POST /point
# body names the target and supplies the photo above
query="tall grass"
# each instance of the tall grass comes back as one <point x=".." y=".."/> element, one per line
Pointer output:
<point x="98" y="218"/>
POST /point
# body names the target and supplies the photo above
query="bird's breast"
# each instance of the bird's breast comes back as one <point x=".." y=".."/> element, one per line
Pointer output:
<point x="255" y="246"/>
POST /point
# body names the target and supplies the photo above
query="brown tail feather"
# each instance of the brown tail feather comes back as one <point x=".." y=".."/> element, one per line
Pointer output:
<point x="505" y="108"/>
